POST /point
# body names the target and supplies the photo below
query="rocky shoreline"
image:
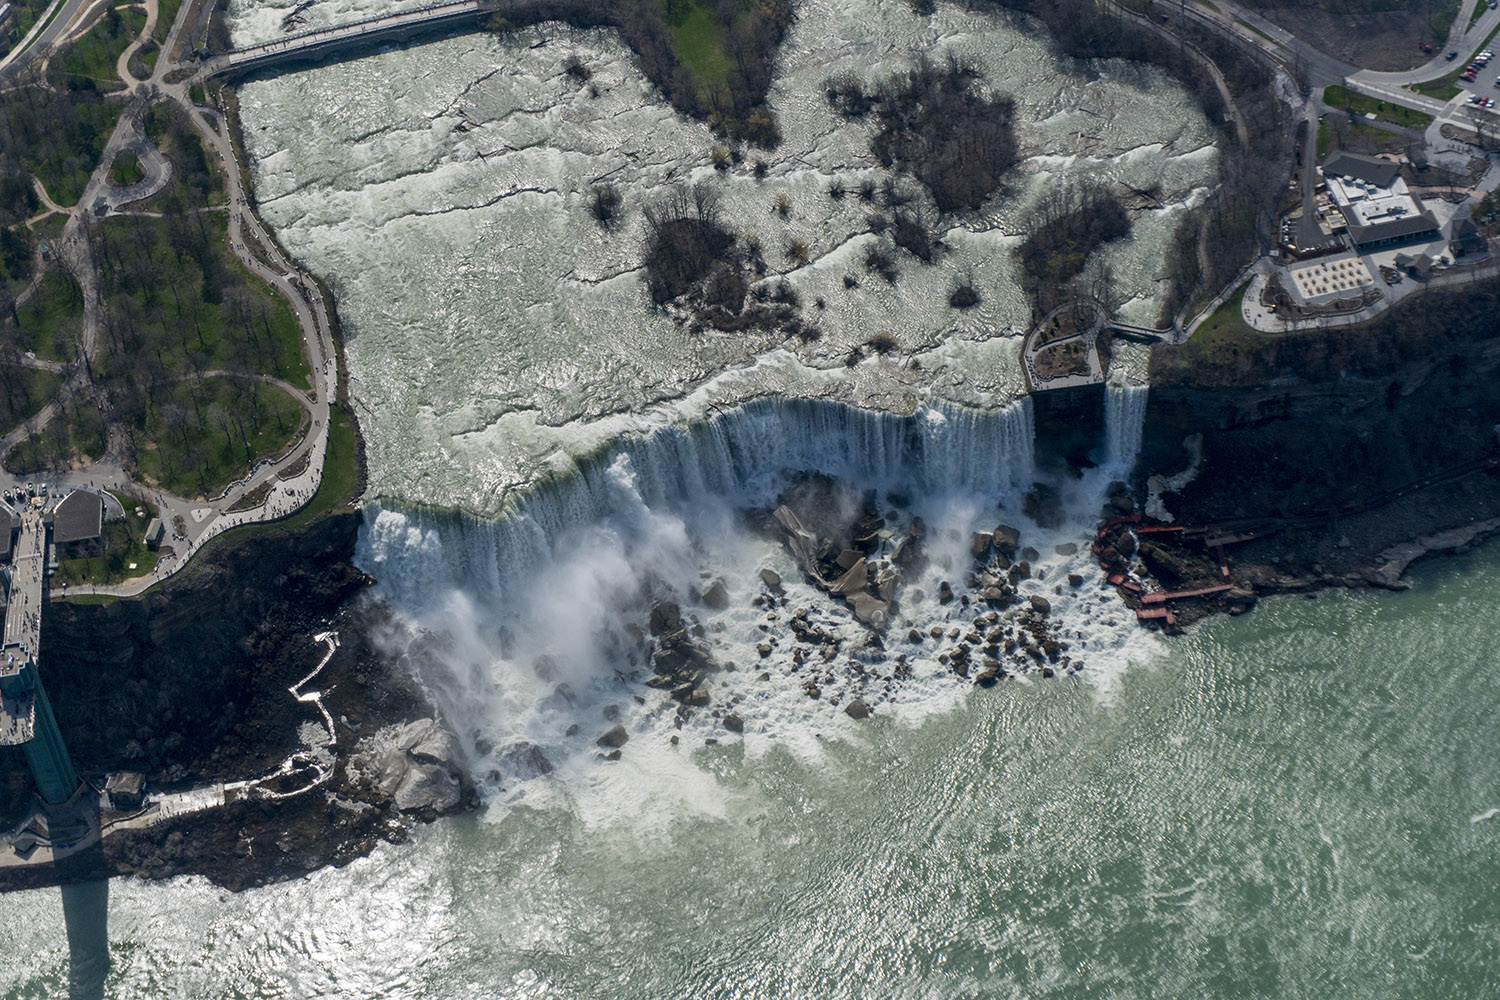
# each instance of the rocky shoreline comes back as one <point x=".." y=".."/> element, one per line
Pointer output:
<point x="1278" y="485"/>
<point x="189" y="686"/>
<point x="1342" y="475"/>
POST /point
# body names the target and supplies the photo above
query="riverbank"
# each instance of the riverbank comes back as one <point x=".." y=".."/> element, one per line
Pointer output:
<point x="190" y="686"/>
<point x="1328" y="459"/>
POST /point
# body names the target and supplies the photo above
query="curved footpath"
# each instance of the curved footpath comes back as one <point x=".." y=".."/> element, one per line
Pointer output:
<point x="195" y="522"/>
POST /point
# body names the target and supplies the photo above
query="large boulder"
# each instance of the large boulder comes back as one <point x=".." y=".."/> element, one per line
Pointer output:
<point x="980" y="544"/>
<point x="614" y="739"/>
<point x="421" y="771"/>
<point x="716" y="595"/>
<point x="665" y="617"/>
<point x="870" y="609"/>
<point x="1006" y="539"/>
<point x="802" y="542"/>
<point x="525" y="761"/>
<point x="853" y="581"/>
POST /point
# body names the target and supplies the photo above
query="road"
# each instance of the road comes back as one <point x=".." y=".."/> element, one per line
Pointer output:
<point x="43" y="36"/>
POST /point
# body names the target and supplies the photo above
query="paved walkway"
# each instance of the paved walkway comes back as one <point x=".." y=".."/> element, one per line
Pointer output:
<point x="196" y="521"/>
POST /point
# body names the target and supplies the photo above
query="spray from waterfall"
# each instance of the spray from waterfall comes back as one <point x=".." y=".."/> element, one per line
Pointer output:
<point x="540" y="631"/>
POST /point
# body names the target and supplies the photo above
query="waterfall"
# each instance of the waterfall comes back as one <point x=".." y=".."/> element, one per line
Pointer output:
<point x="1124" y="418"/>
<point x="534" y="632"/>
<point x="739" y="457"/>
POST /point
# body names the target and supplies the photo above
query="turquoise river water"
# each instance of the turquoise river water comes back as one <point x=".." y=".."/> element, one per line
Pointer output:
<point x="1301" y="802"/>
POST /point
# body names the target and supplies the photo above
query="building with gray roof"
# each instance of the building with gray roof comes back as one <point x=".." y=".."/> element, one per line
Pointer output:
<point x="78" y="517"/>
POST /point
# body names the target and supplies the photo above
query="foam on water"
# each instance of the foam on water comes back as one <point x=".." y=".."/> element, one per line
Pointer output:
<point x="521" y="626"/>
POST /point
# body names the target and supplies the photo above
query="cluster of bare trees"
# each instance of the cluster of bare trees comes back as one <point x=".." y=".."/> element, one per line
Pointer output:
<point x="172" y="313"/>
<point x="1215" y="241"/>
<point x="1073" y="220"/>
<point x="54" y="134"/>
<point x="936" y="125"/>
<point x="750" y="35"/>
<point x="685" y="239"/>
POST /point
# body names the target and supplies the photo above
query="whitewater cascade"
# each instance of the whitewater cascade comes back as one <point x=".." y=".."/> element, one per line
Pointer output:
<point x="738" y="457"/>
<point x="1124" y="420"/>
<point x="539" y="634"/>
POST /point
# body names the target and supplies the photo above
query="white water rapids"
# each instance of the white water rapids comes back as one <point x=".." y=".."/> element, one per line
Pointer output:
<point x="495" y="332"/>
<point x="524" y="628"/>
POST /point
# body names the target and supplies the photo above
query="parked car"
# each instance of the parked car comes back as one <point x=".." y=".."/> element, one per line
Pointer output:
<point x="1451" y="56"/>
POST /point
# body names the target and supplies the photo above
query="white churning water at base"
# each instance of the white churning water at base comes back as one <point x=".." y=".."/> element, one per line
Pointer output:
<point x="522" y="626"/>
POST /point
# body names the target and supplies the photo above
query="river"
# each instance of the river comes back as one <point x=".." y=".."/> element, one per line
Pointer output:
<point x="1298" y="802"/>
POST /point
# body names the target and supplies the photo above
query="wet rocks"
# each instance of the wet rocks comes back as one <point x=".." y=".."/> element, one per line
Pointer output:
<point x="1044" y="506"/>
<point x="980" y="544"/>
<point x="716" y="595"/>
<point x="665" y="617"/>
<point x="525" y="761"/>
<point x="857" y="709"/>
<point x="614" y="739"/>
<point x="421" y="771"/>
<point x="734" y="723"/>
<point x="1005" y="539"/>
<point x="771" y="578"/>
<point x="1040" y="604"/>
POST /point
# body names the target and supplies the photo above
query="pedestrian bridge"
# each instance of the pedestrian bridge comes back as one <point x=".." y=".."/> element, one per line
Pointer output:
<point x="347" y="40"/>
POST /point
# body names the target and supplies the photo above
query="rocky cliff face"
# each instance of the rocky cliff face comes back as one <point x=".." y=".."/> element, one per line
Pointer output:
<point x="1340" y="449"/>
<point x="189" y="684"/>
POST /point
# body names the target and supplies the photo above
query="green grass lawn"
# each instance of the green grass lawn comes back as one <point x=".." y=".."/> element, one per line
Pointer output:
<point x="1441" y="21"/>
<point x="71" y="438"/>
<point x="195" y="180"/>
<point x="166" y="13"/>
<point x="52" y="317"/>
<point x="202" y="434"/>
<point x="93" y="56"/>
<point x="51" y="228"/>
<point x="23" y="391"/>
<point x="1218" y="352"/>
<point x="1359" y="136"/>
<point x="697" y="38"/>
<point x="126" y="170"/>
<point x="121" y="545"/>
<point x="340" y="483"/>
<point x="1361" y="104"/>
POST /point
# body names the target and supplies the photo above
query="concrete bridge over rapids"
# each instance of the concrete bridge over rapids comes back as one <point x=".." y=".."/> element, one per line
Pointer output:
<point x="350" y="40"/>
